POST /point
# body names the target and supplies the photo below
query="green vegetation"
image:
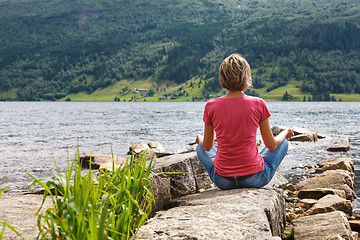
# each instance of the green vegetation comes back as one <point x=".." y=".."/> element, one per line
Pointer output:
<point x="98" y="51"/>
<point x="99" y="205"/>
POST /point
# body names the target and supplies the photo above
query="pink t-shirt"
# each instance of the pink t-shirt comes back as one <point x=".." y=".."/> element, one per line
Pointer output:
<point x="235" y="121"/>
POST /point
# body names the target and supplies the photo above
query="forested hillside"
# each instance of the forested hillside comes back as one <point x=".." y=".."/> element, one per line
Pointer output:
<point x="50" y="49"/>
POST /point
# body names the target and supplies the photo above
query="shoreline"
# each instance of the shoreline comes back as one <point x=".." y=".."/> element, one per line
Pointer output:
<point x="178" y="193"/>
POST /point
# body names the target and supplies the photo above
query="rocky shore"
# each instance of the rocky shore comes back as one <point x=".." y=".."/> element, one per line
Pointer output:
<point x="188" y="206"/>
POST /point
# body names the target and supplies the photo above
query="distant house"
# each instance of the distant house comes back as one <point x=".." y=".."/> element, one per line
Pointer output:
<point x="143" y="91"/>
<point x="164" y="98"/>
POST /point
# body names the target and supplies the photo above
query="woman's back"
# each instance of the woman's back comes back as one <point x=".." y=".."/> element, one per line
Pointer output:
<point x="235" y="121"/>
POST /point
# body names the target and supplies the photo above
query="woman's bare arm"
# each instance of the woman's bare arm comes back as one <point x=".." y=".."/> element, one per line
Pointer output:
<point x="206" y="141"/>
<point x="270" y="141"/>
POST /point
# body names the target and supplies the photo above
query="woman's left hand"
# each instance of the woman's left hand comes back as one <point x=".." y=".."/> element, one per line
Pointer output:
<point x="198" y="138"/>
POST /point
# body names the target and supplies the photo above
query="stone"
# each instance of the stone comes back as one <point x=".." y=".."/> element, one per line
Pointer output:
<point x="19" y="211"/>
<point x="340" y="144"/>
<point x="163" y="154"/>
<point x="331" y="203"/>
<point x="278" y="181"/>
<point x="307" y="203"/>
<point x="138" y="148"/>
<point x="355" y="225"/>
<point x="334" y="164"/>
<point x="156" y="146"/>
<point x="305" y="137"/>
<point x="161" y="191"/>
<point x="219" y="214"/>
<point x="190" y="175"/>
<point x="318" y="193"/>
<point x="102" y="161"/>
<point x="202" y="179"/>
<point x="186" y="149"/>
<point x="290" y="217"/>
<point x="335" y="179"/>
<point x="323" y="226"/>
<point x="300" y="134"/>
<point x="290" y="187"/>
<point x="179" y="169"/>
<point x="347" y="176"/>
<point x="277" y="129"/>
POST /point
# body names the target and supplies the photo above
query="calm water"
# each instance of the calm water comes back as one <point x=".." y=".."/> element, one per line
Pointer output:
<point x="32" y="132"/>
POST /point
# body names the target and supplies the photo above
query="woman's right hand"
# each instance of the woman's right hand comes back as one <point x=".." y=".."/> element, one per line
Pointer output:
<point x="198" y="138"/>
<point x="289" y="133"/>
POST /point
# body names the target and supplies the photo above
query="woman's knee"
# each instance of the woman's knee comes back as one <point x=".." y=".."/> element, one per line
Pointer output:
<point x="199" y="149"/>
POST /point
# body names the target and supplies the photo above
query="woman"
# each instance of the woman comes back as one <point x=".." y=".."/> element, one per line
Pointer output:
<point x="235" y="117"/>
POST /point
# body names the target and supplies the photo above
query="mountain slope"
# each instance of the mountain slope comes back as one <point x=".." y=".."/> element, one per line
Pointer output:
<point x="50" y="49"/>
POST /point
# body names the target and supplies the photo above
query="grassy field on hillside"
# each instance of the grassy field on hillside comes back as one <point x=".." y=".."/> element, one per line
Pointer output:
<point x="192" y="90"/>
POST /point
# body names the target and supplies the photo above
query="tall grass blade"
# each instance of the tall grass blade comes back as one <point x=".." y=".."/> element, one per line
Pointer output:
<point x="102" y="204"/>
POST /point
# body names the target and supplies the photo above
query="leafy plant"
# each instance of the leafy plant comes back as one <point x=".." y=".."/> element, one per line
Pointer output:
<point x="102" y="204"/>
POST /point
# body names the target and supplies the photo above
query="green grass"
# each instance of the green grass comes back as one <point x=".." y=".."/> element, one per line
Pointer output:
<point x="11" y="94"/>
<point x="98" y="205"/>
<point x="348" y="97"/>
<point x="277" y="94"/>
<point x="169" y="89"/>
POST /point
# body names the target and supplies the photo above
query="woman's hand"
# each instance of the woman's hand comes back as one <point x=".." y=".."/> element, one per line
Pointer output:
<point x="289" y="133"/>
<point x="199" y="138"/>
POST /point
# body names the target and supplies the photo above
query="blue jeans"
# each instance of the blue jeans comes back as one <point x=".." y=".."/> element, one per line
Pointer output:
<point x="272" y="160"/>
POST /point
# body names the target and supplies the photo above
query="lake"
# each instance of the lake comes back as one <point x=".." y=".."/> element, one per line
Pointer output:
<point x="32" y="133"/>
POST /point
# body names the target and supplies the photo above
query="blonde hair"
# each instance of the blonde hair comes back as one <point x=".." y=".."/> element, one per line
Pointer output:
<point x="235" y="73"/>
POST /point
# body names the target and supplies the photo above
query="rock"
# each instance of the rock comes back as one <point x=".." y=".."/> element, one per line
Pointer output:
<point x="333" y="225"/>
<point x="318" y="193"/>
<point x="161" y="190"/>
<point x="340" y="144"/>
<point x="138" y="148"/>
<point x="201" y="176"/>
<point x="153" y="150"/>
<point x="300" y="134"/>
<point x="307" y="203"/>
<point x="156" y="146"/>
<point x="219" y="214"/>
<point x="19" y="211"/>
<point x="186" y="149"/>
<point x="335" y="179"/>
<point x="278" y="181"/>
<point x="179" y="169"/>
<point x="334" y="164"/>
<point x="290" y="187"/>
<point x="331" y="203"/>
<point x="355" y="225"/>
<point x="163" y="154"/>
<point x="277" y="129"/>
<point x="305" y="137"/>
<point x="102" y="161"/>
<point x="290" y="217"/>
<point x="347" y="176"/>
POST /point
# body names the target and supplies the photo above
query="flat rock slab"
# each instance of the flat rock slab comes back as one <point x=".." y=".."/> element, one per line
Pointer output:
<point x="340" y="144"/>
<point x="338" y="163"/>
<point x="318" y="193"/>
<point x="300" y="134"/>
<point x="334" y="179"/>
<point x="19" y="211"/>
<point x="332" y="225"/>
<point x="219" y="214"/>
<point x="331" y="203"/>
